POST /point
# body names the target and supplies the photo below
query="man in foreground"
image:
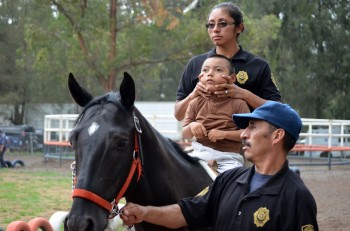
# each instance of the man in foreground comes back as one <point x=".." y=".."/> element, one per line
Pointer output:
<point x="267" y="196"/>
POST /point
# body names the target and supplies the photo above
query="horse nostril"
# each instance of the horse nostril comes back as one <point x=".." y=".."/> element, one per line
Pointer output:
<point x="79" y="224"/>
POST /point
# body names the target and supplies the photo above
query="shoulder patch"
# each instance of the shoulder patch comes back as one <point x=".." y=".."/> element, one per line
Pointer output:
<point x="273" y="80"/>
<point x="307" y="228"/>
<point x="203" y="192"/>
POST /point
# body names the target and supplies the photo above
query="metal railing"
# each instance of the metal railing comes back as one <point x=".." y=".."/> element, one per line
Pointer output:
<point x="321" y="142"/>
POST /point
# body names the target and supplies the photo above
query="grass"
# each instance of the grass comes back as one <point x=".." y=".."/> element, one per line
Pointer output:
<point x="36" y="190"/>
<point x="26" y="194"/>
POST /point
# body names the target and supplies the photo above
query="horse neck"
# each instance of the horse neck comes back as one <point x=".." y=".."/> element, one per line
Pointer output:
<point x="161" y="156"/>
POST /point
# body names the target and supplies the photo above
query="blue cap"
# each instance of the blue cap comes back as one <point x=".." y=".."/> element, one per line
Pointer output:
<point x="279" y="114"/>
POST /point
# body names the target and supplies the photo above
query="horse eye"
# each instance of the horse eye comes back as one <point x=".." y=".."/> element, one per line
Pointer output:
<point x="122" y="143"/>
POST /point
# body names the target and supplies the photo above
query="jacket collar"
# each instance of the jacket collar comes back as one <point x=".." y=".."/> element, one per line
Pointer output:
<point x="240" y="55"/>
<point x="272" y="186"/>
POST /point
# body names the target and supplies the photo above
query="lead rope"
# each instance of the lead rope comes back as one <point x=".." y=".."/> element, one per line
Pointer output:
<point x="74" y="173"/>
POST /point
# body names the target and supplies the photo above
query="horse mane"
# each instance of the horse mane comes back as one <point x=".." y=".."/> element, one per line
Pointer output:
<point x="183" y="154"/>
<point x="166" y="141"/>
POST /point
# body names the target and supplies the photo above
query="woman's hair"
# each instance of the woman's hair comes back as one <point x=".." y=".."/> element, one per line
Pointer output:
<point x="233" y="10"/>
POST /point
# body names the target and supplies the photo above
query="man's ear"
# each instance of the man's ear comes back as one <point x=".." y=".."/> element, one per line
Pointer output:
<point x="278" y="135"/>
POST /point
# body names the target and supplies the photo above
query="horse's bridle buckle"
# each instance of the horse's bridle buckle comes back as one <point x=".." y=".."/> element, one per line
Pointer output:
<point x="114" y="211"/>
<point x="137" y="124"/>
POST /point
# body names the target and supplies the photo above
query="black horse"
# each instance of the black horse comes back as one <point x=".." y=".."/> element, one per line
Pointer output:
<point x="119" y="154"/>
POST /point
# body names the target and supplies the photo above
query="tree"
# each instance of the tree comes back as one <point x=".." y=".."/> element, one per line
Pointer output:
<point x="314" y="57"/>
<point x="109" y="36"/>
<point x="15" y="81"/>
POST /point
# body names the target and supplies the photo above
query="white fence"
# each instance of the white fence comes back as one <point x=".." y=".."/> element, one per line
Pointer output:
<point x="319" y="137"/>
<point x="323" y="138"/>
<point x="57" y="127"/>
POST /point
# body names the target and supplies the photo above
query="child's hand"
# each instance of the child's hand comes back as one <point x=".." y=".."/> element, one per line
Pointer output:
<point x="198" y="130"/>
<point x="215" y="135"/>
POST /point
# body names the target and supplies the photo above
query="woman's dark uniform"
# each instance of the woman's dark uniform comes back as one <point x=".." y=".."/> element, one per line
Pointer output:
<point x="253" y="74"/>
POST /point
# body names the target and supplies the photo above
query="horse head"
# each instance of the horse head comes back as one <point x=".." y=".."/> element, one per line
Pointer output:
<point x="104" y="131"/>
<point x="119" y="154"/>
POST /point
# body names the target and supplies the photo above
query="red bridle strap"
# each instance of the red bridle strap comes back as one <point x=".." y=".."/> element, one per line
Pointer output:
<point x="78" y="192"/>
<point x="136" y="163"/>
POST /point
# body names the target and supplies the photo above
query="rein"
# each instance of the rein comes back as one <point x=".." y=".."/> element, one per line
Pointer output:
<point x="112" y="207"/>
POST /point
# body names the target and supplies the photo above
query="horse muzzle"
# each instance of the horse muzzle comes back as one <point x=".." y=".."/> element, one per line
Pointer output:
<point x="86" y="217"/>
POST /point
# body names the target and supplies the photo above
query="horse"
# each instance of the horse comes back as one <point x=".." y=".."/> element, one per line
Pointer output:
<point x="119" y="154"/>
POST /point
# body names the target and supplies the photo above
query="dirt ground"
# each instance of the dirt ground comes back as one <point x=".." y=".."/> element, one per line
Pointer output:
<point x="331" y="189"/>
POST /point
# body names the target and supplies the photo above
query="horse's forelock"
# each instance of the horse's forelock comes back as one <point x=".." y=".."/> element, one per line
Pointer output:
<point x="110" y="97"/>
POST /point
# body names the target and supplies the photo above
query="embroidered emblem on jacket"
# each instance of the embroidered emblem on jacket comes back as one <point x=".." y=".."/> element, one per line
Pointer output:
<point x="242" y="77"/>
<point x="274" y="80"/>
<point x="307" y="228"/>
<point x="261" y="216"/>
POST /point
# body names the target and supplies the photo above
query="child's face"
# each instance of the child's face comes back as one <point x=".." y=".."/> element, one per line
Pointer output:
<point x="212" y="70"/>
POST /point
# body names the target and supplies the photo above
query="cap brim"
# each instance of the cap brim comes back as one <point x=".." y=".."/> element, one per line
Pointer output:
<point x="242" y="120"/>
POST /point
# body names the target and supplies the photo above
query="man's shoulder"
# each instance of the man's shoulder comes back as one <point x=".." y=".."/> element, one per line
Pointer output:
<point x="235" y="173"/>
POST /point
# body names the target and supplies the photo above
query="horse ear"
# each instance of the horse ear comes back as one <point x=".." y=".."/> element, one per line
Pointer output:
<point x="81" y="96"/>
<point x="127" y="91"/>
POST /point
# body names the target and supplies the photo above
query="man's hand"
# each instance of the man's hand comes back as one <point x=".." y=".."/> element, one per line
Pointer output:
<point x="133" y="214"/>
<point x="169" y="216"/>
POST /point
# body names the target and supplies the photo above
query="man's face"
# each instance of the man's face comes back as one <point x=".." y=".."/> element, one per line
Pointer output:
<point x="257" y="140"/>
<point x="212" y="70"/>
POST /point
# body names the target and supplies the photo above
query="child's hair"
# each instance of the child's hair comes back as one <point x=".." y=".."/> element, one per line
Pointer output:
<point x="229" y="62"/>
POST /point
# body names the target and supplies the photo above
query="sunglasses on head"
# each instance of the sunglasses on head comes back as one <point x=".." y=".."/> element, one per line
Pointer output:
<point x="211" y="25"/>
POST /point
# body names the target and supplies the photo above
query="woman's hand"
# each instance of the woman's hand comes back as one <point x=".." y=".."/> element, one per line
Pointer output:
<point x="201" y="89"/>
<point x="229" y="89"/>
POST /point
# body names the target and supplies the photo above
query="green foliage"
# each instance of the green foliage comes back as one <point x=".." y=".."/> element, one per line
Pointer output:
<point x="259" y="34"/>
<point x="305" y="42"/>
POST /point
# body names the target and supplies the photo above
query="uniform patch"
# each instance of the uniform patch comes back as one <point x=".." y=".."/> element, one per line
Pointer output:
<point x="242" y="77"/>
<point x="203" y="192"/>
<point x="273" y="80"/>
<point x="261" y="216"/>
<point x="307" y="228"/>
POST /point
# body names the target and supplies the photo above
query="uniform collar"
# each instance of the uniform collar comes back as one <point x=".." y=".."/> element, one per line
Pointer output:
<point x="272" y="186"/>
<point x="240" y="55"/>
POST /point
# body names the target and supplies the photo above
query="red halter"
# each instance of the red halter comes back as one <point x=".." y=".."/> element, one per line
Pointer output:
<point x="112" y="207"/>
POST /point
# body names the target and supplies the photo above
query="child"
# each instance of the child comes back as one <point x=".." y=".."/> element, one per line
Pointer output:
<point x="209" y="120"/>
